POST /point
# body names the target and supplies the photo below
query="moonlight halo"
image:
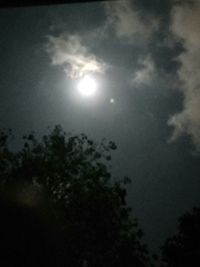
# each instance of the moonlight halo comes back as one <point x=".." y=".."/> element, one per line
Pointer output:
<point x="87" y="86"/>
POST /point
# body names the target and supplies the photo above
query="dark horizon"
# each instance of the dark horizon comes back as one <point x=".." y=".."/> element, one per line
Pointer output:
<point x="23" y="3"/>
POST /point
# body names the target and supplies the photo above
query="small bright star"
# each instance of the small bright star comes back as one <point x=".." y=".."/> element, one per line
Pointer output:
<point x="112" y="101"/>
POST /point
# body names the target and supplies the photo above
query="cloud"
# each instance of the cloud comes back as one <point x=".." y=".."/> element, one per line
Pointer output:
<point x="127" y="22"/>
<point x="185" y="25"/>
<point x="150" y="75"/>
<point x="68" y="51"/>
<point x="146" y="73"/>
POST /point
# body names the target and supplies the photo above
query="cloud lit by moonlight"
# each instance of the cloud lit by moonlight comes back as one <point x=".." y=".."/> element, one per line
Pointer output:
<point x="74" y="56"/>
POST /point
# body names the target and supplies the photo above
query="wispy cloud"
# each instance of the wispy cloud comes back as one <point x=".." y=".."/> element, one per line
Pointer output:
<point x="146" y="73"/>
<point x="149" y="75"/>
<point x="185" y="26"/>
<point x="126" y="22"/>
<point x="69" y="51"/>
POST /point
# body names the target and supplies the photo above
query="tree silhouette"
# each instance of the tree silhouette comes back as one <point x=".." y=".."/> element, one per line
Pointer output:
<point x="66" y="178"/>
<point x="183" y="249"/>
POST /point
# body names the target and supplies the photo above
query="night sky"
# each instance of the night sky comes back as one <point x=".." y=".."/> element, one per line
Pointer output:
<point x="144" y="58"/>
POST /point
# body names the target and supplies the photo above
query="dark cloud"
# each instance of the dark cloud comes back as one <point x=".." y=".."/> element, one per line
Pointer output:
<point x="185" y="25"/>
<point x="146" y="73"/>
<point x="125" y="20"/>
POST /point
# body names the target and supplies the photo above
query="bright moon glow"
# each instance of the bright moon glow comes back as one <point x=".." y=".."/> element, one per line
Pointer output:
<point x="87" y="86"/>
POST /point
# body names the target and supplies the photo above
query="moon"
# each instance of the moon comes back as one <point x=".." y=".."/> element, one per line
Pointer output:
<point x="87" y="86"/>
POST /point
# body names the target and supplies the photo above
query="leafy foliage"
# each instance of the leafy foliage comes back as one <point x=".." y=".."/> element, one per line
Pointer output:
<point x="183" y="249"/>
<point x="90" y="209"/>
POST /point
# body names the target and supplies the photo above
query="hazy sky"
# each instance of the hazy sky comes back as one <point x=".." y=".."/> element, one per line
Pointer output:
<point x="145" y="56"/>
